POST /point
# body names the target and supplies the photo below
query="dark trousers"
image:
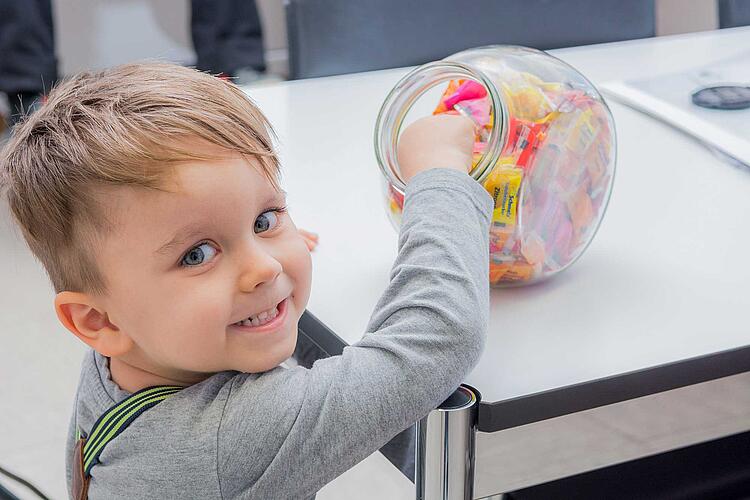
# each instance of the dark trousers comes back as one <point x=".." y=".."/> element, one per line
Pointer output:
<point x="226" y="35"/>
<point x="27" y="46"/>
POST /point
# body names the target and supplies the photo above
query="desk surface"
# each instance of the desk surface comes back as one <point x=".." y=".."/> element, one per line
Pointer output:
<point x="658" y="295"/>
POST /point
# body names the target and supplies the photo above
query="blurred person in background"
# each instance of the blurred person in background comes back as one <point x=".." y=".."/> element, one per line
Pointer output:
<point x="28" y="67"/>
<point x="227" y="38"/>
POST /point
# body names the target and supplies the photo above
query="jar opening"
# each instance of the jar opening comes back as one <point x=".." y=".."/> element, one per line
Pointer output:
<point x="407" y="92"/>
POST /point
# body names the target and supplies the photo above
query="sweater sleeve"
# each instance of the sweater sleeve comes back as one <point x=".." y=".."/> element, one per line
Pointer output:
<point x="286" y="433"/>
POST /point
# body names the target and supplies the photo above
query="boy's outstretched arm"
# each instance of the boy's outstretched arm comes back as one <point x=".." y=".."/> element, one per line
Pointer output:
<point x="286" y="433"/>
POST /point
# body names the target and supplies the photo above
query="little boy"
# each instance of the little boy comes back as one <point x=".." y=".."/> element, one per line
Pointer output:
<point x="150" y="194"/>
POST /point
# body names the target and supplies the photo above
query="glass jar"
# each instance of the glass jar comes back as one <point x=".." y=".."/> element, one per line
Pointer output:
<point x="544" y="149"/>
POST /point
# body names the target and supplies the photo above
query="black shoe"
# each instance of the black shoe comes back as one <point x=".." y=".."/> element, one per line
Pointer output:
<point x="252" y="77"/>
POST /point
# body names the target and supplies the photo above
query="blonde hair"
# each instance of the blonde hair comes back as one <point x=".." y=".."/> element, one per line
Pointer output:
<point x="121" y="126"/>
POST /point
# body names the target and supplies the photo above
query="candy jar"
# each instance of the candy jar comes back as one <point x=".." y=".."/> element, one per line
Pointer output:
<point x="544" y="149"/>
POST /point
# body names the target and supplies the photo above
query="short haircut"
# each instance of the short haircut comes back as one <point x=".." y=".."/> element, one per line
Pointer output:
<point x="123" y="126"/>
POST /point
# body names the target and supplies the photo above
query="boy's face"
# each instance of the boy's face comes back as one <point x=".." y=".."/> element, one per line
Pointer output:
<point x="235" y="255"/>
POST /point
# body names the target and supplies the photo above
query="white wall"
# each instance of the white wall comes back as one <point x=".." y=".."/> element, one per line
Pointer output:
<point x="273" y="21"/>
<point x="683" y="16"/>
<point x="93" y="34"/>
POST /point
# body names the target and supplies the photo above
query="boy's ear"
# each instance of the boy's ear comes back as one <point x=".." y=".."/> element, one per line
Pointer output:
<point x="78" y="313"/>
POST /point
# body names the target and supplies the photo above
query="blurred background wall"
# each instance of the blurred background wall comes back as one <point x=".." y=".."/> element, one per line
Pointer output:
<point x="93" y="34"/>
<point x="684" y="16"/>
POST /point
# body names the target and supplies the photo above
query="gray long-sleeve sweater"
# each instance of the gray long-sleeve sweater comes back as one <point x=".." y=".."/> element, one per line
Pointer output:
<point x="285" y="433"/>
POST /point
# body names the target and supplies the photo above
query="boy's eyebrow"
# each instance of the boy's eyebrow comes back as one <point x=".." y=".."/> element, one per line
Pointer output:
<point x="184" y="234"/>
<point x="192" y="231"/>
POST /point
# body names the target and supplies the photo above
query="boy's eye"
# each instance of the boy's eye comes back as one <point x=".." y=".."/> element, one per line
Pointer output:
<point x="198" y="255"/>
<point x="266" y="220"/>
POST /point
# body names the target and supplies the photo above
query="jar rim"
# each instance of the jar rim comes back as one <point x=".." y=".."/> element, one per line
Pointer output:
<point x="404" y="95"/>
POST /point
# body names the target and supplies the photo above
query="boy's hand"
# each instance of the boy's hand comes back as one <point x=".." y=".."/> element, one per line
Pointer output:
<point x="439" y="141"/>
<point x="311" y="239"/>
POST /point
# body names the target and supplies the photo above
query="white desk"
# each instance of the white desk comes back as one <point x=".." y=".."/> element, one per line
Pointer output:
<point x="665" y="280"/>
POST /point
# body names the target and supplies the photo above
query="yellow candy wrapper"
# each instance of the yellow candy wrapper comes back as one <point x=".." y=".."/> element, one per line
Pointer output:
<point x="504" y="185"/>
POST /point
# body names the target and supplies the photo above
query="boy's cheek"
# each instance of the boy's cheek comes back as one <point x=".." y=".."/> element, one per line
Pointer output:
<point x="300" y="269"/>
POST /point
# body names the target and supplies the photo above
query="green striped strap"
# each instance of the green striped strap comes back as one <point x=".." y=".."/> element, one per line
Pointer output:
<point x="117" y="418"/>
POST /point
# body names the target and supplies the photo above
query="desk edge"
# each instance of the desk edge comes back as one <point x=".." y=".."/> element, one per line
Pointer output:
<point x="500" y="415"/>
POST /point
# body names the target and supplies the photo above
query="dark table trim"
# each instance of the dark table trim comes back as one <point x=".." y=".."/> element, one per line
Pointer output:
<point x="496" y="416"/>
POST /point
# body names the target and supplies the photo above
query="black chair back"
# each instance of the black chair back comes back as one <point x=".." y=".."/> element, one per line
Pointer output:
<point x="328" y="37"/>
<point x="734" y="13"/>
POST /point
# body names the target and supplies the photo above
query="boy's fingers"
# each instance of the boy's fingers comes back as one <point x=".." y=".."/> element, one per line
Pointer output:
<point x="310" y="239"/>
<point x="308" y="234"/>
<point x="310" y="244"/>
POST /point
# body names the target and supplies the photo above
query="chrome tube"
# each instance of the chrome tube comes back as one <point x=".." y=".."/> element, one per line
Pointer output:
<point x="444" y="463"/>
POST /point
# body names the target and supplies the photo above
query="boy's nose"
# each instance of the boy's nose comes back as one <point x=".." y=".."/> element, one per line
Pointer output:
<point x="258" y="267"/>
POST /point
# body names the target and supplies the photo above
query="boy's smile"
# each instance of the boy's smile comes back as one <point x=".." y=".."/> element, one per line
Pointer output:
<point x="209" y="275"/>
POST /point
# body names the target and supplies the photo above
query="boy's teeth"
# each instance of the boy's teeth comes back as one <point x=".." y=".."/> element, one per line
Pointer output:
<point x="260" y="319"/>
